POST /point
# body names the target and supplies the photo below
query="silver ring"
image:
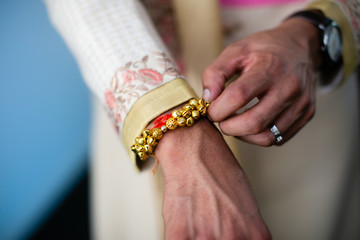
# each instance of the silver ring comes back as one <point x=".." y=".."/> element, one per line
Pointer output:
<point x="276" y="133"/>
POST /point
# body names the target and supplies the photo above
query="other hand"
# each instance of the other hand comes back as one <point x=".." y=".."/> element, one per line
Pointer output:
<point x="275" y="66"/>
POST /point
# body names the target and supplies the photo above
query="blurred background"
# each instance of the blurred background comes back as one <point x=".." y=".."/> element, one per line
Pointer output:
<point x="44" y="129"/>
<point x="44" y="132"/>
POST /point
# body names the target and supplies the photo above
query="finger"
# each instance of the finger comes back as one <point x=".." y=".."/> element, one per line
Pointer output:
<point x="239" y="93"/>
<point x="258" y="118"/>
<point x="283" y="122"/>
<point x="287" y="118"/>
<point x="264" y="139"/>
<point x="300" y="123"/>
<point x="220" y="70"/>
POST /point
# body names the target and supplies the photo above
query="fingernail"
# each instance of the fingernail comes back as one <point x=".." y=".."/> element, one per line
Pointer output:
<point x="206" y="94"/>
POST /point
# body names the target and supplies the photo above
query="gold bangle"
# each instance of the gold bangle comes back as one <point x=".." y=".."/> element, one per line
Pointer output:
<point x="186" y="116"/>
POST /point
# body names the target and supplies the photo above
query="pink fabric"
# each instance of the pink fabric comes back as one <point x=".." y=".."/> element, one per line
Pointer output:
<point x="255" y="2"/>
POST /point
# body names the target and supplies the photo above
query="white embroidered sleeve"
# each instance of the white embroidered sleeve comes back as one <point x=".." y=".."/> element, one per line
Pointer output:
<point x="117" y="48"/>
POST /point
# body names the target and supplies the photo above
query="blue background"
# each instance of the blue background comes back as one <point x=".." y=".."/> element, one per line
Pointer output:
<point x="44" y="118"/>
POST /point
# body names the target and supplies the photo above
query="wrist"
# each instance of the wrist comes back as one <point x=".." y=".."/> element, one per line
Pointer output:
<point x="177" y="148"/>
<point x="307" y="36"/>
<point x="184" y="117"/>
<point x="190" y="151"/>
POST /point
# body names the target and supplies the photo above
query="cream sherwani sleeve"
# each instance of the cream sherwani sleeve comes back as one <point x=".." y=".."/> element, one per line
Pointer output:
<point x="127" y="67"/>
<point x="129" y="70"/>
<point x="122" y="60"/>
<point x="346" y="15"/>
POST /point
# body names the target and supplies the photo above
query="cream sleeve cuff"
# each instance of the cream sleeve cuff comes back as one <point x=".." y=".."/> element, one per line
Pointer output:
<point x="332" y="10"/>
<point x="151" y="105"/>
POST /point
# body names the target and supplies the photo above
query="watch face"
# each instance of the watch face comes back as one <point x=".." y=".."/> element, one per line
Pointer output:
<point x="332" y="42"/>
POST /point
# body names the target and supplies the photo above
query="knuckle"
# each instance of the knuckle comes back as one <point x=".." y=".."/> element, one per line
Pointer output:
<point x="230" y="47"/>
<point x="264" y="139"/>
<point x="311" y="112"/>
<point x="295" y="88"/>
<point x="273" y="63"/>
<point x="266" y="234"/>
<point x="268" y="140"/>
<point x="307" y="100"/>
<point x="304" y="104"/>
<point x="243" y="93"/>
<point x="254" y="124"/>
<point x="176" y="233"/>
<point x="269" y="60"/>
<point x="262" y="235"/>
<point x="238" y="94"/>
<point x="203" y="235"/>
<point x="260" y="232"/>
<point x="209" y="72"/>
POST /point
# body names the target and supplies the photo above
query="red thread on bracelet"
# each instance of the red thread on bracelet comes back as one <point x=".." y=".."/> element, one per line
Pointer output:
<point x="161" y="120"/>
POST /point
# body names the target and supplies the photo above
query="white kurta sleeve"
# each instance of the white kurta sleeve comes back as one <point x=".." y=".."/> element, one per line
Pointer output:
<point x="122" y="59"/>
<point x="119" y="52"/>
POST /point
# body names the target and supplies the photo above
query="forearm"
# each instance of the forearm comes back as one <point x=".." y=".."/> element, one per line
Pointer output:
<point x="206" y="193"/>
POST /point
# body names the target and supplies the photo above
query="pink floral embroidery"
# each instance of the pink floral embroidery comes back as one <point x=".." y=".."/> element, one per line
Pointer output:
<point x="150" y="76"/>
<point x="129" y="76"/>
<point x="133" y="80"/>
<point x="110" y="99"/>
<point x="118" y="118"/>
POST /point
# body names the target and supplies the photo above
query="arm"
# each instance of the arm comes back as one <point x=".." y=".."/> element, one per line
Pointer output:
<point x="117" y="48"/>
<point x="206" y="193"/>
<point x="122" y="60"/>
<point x="278" y="67"/>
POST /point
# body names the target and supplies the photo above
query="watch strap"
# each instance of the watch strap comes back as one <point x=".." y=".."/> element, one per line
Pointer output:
<point x="313" y="16"/>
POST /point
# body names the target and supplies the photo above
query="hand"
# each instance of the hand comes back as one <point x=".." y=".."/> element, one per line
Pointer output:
<point x="206" y="194"/>
<point x="275" y="66"/>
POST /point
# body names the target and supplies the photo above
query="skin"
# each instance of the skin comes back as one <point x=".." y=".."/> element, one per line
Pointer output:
<point x="277" y="67"/>
<point x="206" y="193"/>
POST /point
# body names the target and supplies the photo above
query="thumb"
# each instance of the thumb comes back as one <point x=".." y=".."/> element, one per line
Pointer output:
<point x="228" y="63"/>
<point x="213" y="83"/>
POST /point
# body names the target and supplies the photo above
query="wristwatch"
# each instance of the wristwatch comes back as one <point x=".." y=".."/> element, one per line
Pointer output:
<point x="331" y="43"/>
